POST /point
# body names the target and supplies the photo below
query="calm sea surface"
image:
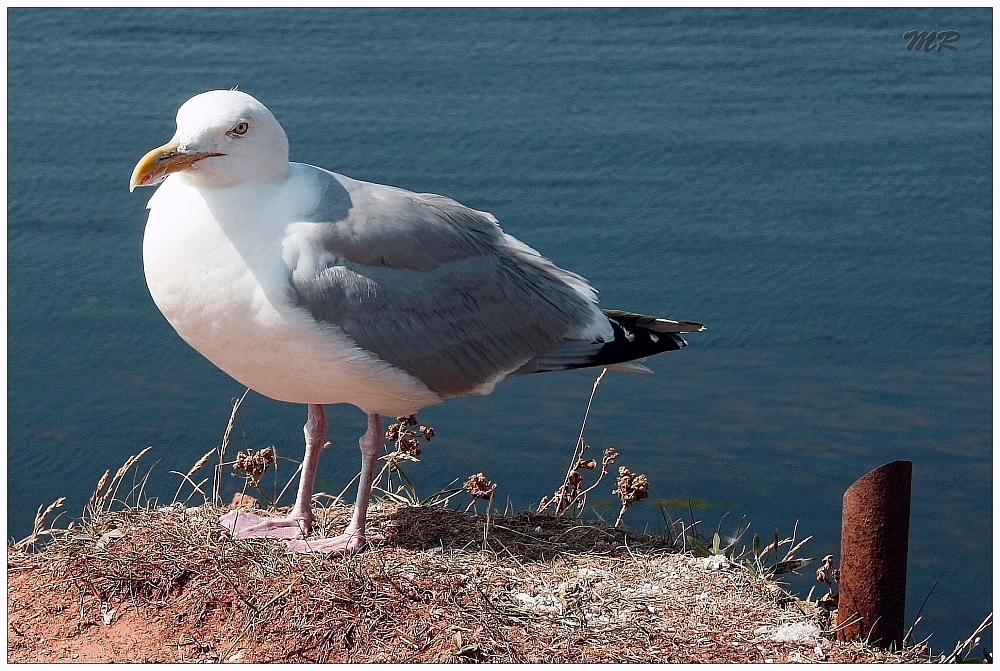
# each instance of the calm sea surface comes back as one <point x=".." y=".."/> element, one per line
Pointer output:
<point x="815" y="193"/>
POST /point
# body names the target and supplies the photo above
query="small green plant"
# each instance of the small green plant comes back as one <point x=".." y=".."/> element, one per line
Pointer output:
<point x="685" y="536"/>
<point x="406" y="492"/>
<point x="700" y="549"/>
<point x="764" y="562"/>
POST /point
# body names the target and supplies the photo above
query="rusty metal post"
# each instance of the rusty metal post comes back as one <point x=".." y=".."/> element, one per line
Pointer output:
<point x="873" y="547"/>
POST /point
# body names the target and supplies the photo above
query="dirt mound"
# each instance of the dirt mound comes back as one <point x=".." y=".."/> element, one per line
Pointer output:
<point x="170" y="585"/>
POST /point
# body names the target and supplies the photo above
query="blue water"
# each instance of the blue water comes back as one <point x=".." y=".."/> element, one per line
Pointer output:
<point x="815" y="193"/>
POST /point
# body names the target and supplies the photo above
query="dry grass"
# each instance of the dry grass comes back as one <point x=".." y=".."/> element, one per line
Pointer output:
<point x="433" y="586"/>
<point x="167" y="584"/>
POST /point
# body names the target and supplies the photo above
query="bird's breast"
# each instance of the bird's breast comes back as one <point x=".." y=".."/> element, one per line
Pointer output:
<point x="229" y="300"/>
<point x="195" y="274"/>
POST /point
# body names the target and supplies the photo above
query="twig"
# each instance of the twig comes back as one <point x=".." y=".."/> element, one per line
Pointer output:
<point x="489" y="521"/>
<point x="559" y="498"/>
<point x="217" y="483"/>
<point x="116" y="481"/>
<point x="909" y="632"/>
<point x="971" y="641"/>
<point x="194" y="469"/>
<point x="39" y="523"/>
<point x="196" y="487"/>
<point x="694" y="524"/>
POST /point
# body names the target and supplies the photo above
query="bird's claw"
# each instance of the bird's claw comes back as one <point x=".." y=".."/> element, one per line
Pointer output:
<point x="345" y="544"/>
<point x="243" y="524"/>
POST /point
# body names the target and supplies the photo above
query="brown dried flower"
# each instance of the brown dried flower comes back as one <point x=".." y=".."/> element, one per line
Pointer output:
<point x="631" y="489"/>
<point x="572" y="492"/>
<point x="610" y="456"/>
<point x="827" y="573"/>
<point x="479" y="487"/>
<point x="409" y="446"/>
<point x="407" y="440"/>
<point x="255" y="463"/>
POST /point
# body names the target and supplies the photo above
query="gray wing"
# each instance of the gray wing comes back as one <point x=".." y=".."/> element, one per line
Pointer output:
<point x="431" y="286"/>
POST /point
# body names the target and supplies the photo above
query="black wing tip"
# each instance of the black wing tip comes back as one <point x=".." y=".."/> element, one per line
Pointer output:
<point x="635" y="337"/>
<point x="655" y="324"/>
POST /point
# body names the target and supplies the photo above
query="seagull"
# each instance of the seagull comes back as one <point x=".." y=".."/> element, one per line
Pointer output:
<point x="314" y="288"/>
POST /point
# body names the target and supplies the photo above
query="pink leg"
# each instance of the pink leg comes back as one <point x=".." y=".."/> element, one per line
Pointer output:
<point x="353" y="539"/>
<point x="298" y="523"/>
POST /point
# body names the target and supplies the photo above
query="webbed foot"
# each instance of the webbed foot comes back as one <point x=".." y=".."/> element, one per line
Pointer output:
<point x="243" y="524"/>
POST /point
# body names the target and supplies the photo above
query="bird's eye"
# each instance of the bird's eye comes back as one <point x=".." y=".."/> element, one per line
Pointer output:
<point x="240" y="129"/>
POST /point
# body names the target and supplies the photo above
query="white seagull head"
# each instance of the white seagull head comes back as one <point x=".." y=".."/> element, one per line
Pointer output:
<point x="223" y="139"/>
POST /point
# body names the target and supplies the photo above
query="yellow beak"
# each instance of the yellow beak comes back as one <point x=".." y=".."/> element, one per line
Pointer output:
<point x="157" y="164"/>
